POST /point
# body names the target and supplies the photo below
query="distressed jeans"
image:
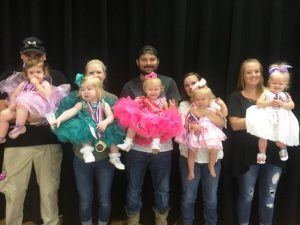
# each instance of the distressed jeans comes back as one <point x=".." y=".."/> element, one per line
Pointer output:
<point x="268" y="177"/>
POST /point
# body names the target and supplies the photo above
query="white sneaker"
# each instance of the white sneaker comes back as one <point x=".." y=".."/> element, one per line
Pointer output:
<point x="114" y="158"/>
<point x="88" y="156"/>
<point x="126" y="146"/>
<point x="155" y="145"/>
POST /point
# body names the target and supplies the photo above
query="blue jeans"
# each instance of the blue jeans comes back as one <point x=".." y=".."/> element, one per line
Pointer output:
<point x="190" y="190"/>
<point x="160" y="169"/>
<point x="268" y="177"/>
<point x="88" y="176"/>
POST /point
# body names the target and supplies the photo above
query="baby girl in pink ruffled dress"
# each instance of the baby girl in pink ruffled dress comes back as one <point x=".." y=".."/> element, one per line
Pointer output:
<point x="200" y="132"/>
<point x="148" y="118"/>
<point x="33" y="96"/>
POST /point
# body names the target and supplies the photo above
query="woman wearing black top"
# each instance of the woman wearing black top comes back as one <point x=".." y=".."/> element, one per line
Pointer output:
<point x="249" y="88"/>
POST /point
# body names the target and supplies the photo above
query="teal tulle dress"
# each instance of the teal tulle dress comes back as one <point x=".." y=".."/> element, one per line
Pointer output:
<point x="77" y="129"/>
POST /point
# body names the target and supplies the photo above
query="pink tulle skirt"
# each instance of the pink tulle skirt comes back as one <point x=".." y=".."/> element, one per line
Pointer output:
<point x="38" y="106"/>
<point x="209" y="136"/>
<point x="147" y="125"/>
<point x="10" y="84"/>
<point x="31" y="100"/>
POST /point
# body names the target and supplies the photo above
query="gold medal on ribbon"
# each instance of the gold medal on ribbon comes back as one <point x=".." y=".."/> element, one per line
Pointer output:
<point x="100" y="146"/>
<point x="96" y="115"/>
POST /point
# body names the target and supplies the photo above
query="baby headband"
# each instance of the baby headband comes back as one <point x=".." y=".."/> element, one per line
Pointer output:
<point x="282" y="69"/>
<point x="199" y="84"/>
<point x="150" y="75"/>
<point x="78" y="79"/>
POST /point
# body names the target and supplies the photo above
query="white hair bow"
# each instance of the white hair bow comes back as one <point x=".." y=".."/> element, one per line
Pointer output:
<point x="199" y="84"/>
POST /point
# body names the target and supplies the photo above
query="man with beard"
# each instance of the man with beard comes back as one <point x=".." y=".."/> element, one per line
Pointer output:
<point x="140" y="157"/>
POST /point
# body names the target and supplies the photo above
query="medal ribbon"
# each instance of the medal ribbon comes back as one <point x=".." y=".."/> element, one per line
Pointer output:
<point x="96" y="114"/>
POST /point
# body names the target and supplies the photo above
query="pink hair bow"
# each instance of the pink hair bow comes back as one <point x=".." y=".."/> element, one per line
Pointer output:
<point x="150" y="75"/>
<point x="199" y="84"/>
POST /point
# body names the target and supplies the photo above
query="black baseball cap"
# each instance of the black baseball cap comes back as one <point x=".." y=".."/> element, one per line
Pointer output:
<point x="32" y="44"/>
<point x="147" y="49"/>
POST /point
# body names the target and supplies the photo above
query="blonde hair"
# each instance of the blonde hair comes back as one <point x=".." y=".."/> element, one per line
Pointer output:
<point x="95" y="61"/>
<point x="202" y="91"/>
<point x="241" y="81"/>
<point x="35" y="62"/>
<point x="95" y="82"/>
<point x="280" y="69"/>
<point x="152" y="81"/>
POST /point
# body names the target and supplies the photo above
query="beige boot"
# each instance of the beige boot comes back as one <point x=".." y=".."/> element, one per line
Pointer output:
<point x="134" y="219"/>
<point x="161" y="219"/>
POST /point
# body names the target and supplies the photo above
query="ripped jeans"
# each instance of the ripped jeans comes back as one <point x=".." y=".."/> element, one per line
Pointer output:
<point x="268" y="177"/>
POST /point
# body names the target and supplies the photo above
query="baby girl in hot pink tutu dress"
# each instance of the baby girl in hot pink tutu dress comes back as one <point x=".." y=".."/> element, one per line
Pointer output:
<point x="148" y="118"/>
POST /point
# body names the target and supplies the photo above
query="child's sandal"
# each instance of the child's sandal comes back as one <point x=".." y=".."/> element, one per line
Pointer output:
<point x="261" y="158"/>
<point x="2" y="140"/>
<point x="17" y="131"/>
<point x="283" y="154"/>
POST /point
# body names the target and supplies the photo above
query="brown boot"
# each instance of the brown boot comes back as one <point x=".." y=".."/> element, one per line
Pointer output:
<point x="134" y="219"/>
<point x="161" y="218"/>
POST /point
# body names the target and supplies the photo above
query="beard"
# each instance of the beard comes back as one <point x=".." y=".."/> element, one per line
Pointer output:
<point x="148" y="69"/>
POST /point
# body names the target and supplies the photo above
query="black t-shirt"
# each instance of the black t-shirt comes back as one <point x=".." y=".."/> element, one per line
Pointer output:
<point x="245" y="145"/>
<point x="34" y="135"/>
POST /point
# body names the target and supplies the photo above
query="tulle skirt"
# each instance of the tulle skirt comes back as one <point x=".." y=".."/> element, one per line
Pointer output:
<point x="210" y="136"/>
<point x="146" y="124"/>
<point x="10" y="84"/>
<point x="77" y="130"/>
<point x="38" y="106"/>
<point x="275" y="124"/>
<point x="80" y="129"/>
<point x="31" y="100"/>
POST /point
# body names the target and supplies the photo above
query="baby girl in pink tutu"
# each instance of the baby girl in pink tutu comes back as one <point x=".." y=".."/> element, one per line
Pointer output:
<point x="31" y="94"/>
<point x="200" y="132"/>
<point x="148" y="118"/>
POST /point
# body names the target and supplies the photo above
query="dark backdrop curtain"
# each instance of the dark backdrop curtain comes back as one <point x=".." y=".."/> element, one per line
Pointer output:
<point x="211" y="37"/>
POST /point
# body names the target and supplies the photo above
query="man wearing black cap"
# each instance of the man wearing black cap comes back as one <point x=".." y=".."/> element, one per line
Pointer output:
<point x="140" y="157"/>
<point x="39" y="147"/>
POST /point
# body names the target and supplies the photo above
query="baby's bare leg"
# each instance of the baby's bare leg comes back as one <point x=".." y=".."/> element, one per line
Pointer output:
<point x="191" y="164"/>
<point x="262" y="145"/>
<point x="212" y="154"/>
